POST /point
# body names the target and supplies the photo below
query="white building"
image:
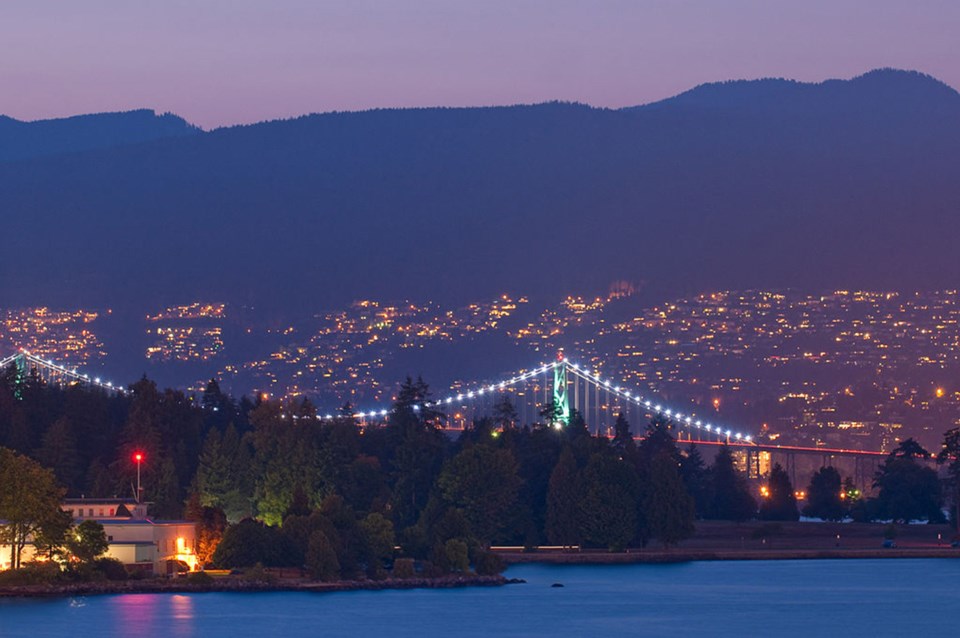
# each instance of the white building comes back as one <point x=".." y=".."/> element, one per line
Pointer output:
<point x="160" y="547"/>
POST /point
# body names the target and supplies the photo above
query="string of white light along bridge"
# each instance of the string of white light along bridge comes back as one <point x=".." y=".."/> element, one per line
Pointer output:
<point x="74" y="373"/>
<point x="586" y="375"/>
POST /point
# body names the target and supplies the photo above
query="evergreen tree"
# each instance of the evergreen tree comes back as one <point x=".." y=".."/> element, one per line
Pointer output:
<point x="623" y="441"/>
<point x="504" y="413"/>
<point x="780" y="503"/>
<point x="563" y="508"/>
<point x="950" y="456"/>
<point x="696" y="479"/>
<point x="417" y="450"/>
<point x="906" y="490"/>
<point x="58" y="451"/>
<point x="669" y="509"/>
<point x="658" y="440"/>
<point x="609" y="505"/>
<point x="823" y="495"/>
<point x="730" y="497"/>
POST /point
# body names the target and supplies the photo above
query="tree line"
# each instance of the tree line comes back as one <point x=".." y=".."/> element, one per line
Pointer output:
<point x="268" y="482"/>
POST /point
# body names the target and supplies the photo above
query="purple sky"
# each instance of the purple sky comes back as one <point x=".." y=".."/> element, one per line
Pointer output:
<point x="219" y="62"/>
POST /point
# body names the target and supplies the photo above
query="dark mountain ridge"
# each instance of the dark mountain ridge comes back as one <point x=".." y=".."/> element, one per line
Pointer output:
<point x="19" y="140"/>
<point x="743" y="184"/>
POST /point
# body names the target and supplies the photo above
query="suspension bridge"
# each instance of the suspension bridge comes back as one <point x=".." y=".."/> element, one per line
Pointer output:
<point x="553" y="393"/>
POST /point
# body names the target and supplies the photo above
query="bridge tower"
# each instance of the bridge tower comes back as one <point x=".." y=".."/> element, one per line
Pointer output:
<point x="561" y="400"/>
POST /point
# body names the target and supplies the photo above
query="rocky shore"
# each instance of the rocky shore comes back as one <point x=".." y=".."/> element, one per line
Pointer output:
<point x="180" y="585"/>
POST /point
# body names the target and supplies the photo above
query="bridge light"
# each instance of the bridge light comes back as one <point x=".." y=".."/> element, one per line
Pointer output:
<point x="449" y="400"/>
<point x="748" y="438"/>
<point x="328" y="416"/>
<point x="739" y="436"/>
<point x="667" y="412"/>
<point x="383" y="413"/>
<point x="657" y="408"/>
<point x="728" y="433"/>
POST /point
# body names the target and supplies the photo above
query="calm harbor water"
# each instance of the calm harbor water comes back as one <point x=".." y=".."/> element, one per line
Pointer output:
<point x="788" y="598"/>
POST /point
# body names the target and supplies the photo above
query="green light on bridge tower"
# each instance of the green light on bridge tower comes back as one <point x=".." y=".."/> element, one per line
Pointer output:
<point x="561" y="402"/>
<point x="19" y="375"/>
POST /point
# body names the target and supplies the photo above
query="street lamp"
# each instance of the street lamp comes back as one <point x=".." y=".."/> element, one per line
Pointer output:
<point x="138" y="458"/>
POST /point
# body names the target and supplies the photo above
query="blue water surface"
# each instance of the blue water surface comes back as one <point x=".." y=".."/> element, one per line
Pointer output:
<point x="766" y="598"/>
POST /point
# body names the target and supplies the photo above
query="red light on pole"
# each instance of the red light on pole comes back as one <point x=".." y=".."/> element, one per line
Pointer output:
<point x="138" y="458"/>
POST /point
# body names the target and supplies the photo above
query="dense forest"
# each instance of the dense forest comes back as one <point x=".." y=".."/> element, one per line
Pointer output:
<point x="270" y="483"/>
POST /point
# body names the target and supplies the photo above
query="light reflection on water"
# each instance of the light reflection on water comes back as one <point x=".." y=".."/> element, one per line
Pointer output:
<point x="802" y="598"/>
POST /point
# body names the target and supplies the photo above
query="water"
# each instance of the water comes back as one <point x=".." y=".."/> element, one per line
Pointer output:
<point x="786" y="598"/>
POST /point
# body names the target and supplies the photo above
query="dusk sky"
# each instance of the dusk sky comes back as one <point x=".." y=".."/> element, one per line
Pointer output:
<point x="222" y="62"/>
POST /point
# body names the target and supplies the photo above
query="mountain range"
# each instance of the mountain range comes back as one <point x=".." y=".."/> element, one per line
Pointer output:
<point x="766" y="183"/>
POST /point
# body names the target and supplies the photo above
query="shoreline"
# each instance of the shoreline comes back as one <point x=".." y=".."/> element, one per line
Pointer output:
<point x="653" y="556"/>
<point x="180" y="586"/>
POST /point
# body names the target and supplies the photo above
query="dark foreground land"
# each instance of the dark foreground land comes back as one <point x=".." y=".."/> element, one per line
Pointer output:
<point x="279" y="581"/>
<point x="755" y="540"/>
<point x="714" y="540"/>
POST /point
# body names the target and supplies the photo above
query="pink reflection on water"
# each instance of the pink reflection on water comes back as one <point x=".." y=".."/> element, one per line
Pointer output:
<point x="154" y="614"/>
<point x="136" y="612"/>
<point x="182" y="607"/>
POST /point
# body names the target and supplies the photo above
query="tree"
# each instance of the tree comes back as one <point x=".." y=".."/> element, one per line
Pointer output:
<point x="823" y="496"/>
<point x="322" y="558"/>
<point x="950" y="456"/>
<point x="211" y="523"/>
<point x="58" y="450"/>
<point x="29" y="500"/>
<point x="609" y="504"/>
<point x="669" y="509"/>
<point x="250" y="542"/>
<point x="623" y="441"/>
<point x="563" y="502"/>
<point x="49" y="541"/>
<point x="907" y="490"/>
<point x="483" y="482"/>
<point x="730" y="497"/>
<point x="909" y="449"/>
<point x="658" y="440"/>
<point x="416" y="450"/>
<point x="456" y="555"/>
<point x="780" y="502"/>
<point x="504" y="412"/>
<point x="87" y="542"/>
<point x="696" y="479"/>
<point x="376" y="532"/>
